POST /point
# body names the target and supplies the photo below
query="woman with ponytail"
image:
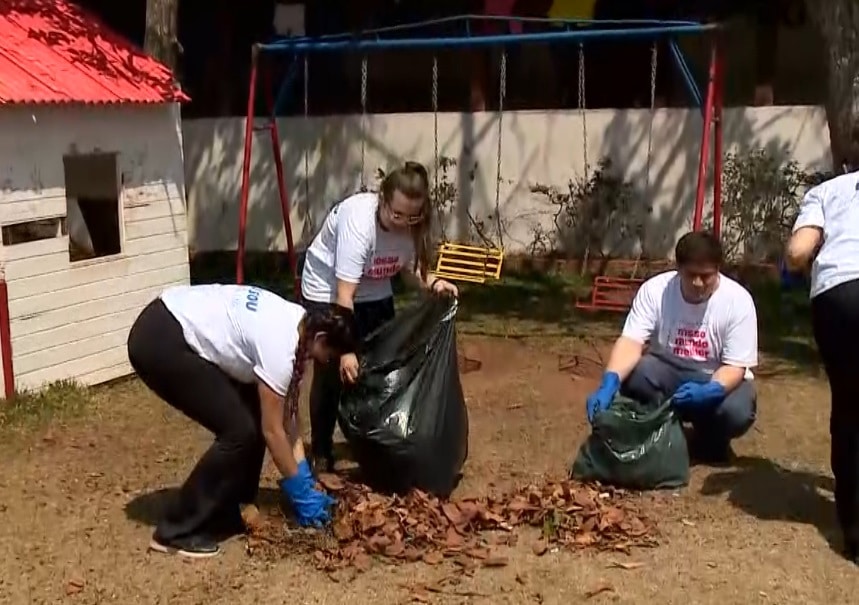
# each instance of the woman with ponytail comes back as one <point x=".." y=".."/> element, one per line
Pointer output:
<point x="231" y="358"/>
<point x="366" y="239"/>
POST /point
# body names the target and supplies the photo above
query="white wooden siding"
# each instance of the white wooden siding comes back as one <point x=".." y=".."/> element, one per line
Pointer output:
<point x="71" y="320"/>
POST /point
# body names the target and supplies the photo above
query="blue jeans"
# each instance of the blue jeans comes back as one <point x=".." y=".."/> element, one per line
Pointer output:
<point x="658" y="375"/>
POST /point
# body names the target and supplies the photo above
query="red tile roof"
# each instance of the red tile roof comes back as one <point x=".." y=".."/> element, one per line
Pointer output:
<point x="52" y="51"/>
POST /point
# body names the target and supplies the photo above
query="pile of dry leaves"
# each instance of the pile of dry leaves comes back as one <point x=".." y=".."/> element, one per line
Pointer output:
<point x="421" y="527"/>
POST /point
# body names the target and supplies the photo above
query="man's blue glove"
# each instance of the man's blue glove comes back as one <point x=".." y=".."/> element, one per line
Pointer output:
<point x="600" y="400"/>
<point x="311" y="507"/>
<point x="789" y="280"/>
<point x="698" y="394"/>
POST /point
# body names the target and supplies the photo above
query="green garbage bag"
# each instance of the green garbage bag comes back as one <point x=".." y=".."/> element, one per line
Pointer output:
<point x="634" y="446"/>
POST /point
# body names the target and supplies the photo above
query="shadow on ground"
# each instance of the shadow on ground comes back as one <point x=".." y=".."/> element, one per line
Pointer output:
<point x="148" y="508"/>
<point x="771" y="492"/>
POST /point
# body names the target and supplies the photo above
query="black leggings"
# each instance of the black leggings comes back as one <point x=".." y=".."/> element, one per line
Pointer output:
<point x="228" y="473"/>
<point x="835" y="319"/>
<point x="326" y="388"/>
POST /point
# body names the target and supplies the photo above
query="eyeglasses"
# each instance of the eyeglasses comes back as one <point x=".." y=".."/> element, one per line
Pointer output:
<point x="408" y="219"/>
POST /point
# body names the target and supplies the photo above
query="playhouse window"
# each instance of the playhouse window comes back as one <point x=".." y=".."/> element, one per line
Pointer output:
<point x="33" y="231"/>
<point x="92" y="205"/>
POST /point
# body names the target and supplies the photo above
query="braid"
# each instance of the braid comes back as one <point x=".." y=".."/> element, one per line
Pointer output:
<point x="298" y="367"/>
<point x="337" y="322"/>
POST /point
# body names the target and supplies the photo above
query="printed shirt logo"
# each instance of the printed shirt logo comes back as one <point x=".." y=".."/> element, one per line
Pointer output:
<point x="383" y="267"/>
<point x="690" y="343"/>
<point x="252" y="300"/>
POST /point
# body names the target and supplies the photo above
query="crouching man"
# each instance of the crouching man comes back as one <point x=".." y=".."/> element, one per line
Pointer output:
<point x="691" y="335"/>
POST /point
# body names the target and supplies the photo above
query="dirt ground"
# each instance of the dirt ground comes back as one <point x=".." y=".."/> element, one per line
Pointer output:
<point x="78" y="499"/>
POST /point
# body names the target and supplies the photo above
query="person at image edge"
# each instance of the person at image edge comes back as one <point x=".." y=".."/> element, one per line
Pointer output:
<point x="826" y="238"/>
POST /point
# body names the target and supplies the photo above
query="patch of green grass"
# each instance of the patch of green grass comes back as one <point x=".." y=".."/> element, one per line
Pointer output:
<point x="59" y="400"/>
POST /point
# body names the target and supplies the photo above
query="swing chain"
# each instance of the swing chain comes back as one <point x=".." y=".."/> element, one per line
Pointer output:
<point x="306" y="130"/>
<point x="363" y="120"/>
<point x="653" y="62"/>
<point x="435" y="125"/>
<point x="502" y="94"/>
<point x="641" y="236"/>
<point x="582" y="107"/>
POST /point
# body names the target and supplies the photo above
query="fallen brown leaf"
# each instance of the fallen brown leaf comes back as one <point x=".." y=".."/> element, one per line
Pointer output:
<point x="362" y="562"/>
<point x="331" y="482"/>
<point x="623" y="565"/>
<point x="74" y="586"/>
<point x="251" y="517"/>
<point x="433" y="557"/>
<point x="496" y="561"/>
<point x="540" y="548"/>
<point x="599" y="590"/>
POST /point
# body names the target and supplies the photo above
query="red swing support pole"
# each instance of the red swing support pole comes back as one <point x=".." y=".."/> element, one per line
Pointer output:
<point x="712" y="125"/>
<point x="250" y="130"/>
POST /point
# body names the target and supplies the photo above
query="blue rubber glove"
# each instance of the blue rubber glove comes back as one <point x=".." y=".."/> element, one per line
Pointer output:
<point x="311" y="506"/>
<point x="788" y="280"/>
<point x="305" y="471"/>
<point x="600" y="400"/>
<point x="698" y="394"/>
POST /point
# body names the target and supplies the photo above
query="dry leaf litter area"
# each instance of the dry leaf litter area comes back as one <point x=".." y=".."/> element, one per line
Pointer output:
<point x="468" y="531"/>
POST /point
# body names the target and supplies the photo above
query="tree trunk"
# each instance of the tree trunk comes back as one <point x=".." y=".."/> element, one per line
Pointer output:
<point x="838" y="23"/>
<point x="161" y="40"/>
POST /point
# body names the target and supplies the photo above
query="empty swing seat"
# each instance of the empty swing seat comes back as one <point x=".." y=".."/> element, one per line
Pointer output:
<point x="611" y="294"/>
<point x="475" y="264"/>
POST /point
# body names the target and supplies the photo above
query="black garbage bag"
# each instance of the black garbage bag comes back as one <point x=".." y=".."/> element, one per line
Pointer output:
<point x="405" y="419"/>
<point x="635" y="446"/>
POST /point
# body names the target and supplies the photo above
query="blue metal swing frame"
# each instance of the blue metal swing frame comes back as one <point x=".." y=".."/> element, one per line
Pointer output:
<point x="452" y="32"/>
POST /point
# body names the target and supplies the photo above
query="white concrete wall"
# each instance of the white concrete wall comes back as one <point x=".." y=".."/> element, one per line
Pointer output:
<point x="537" y="147"/>
<point x="71" y="320"/>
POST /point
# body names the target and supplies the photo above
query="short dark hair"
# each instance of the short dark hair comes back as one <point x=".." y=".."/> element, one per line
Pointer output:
<point x="698" y="247"/>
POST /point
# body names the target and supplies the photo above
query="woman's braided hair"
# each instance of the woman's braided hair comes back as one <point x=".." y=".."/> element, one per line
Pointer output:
<point x="337" y="323"/>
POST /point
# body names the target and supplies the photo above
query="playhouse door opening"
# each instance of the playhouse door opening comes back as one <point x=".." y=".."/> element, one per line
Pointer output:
<point x="92" y="205"/>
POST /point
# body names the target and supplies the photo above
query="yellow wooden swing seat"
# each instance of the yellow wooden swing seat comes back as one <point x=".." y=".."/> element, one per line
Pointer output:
<point x="475" y="264"/>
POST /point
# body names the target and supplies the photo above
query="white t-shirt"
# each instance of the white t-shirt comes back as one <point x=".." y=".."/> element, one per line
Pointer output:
<point x="723" y="330"/>
<point x="834" y="207"/>
<point x="353" y="247"/>
<point x="246" y="331"/>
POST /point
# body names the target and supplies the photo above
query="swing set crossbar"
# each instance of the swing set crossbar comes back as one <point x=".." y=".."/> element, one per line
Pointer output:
<point x="408" y="35"/>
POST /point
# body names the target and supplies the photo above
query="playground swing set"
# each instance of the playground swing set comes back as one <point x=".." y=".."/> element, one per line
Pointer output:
<point x="459" y="261"/>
